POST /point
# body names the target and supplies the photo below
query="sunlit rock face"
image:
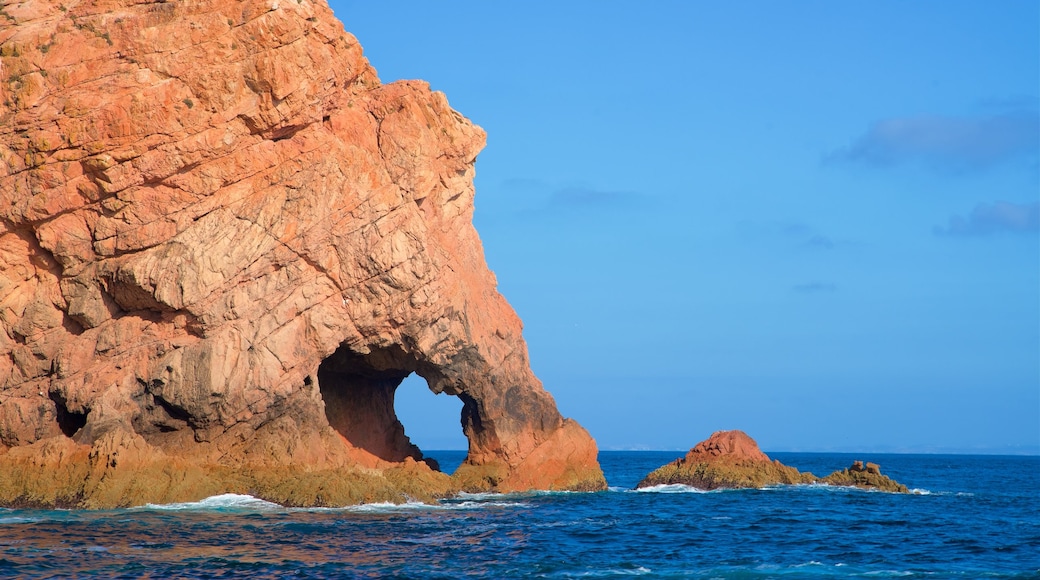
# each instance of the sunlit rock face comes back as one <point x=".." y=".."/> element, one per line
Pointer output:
<point x="726" y="460"/>
<point x="223" y="244"/>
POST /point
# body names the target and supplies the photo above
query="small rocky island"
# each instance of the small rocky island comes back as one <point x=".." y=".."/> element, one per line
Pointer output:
<point x="732" y="460"/>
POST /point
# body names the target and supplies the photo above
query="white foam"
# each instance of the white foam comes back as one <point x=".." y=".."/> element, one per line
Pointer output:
<point x="249" y="503"/>
<point x="640" y="571"/>
<point x="475" y="505"/>
<point x="672" y="488"/>
<point x="481" y="496"/>
<point x="516" y="495"/>
<point x="385" y="506"/>
<point x="851" y="488"/>
<point x="414" y="506"/>
<point x="223" y="501"/>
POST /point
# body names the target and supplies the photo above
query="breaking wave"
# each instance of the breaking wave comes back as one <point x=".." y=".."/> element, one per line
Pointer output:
<point x="224" y="501"/>
<point x="673" y="488"/>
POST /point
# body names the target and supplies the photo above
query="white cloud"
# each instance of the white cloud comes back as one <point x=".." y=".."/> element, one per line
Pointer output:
<point x="946" y="142"/>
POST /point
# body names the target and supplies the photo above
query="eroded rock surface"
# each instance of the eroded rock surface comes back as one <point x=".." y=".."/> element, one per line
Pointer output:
<point x="223" y="244"/>
<point x="732" y="460"/>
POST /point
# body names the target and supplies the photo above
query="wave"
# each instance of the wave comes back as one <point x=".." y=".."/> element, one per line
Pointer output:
<point x="830" y="487"/>
<point x="443" y="505"/>
<point x="825" y="487"/>
<point x="673" y="488"/>
<point x="219" y="502"/>
<point x="639" y="571"/>
<point x="480" y="496"/>
<point x="240" y="502"/>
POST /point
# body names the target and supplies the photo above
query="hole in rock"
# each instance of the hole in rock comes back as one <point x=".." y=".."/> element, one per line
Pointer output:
<point x="68" y="421"/>
<point x="359" y="392"/>
<point x="433" y="422"/>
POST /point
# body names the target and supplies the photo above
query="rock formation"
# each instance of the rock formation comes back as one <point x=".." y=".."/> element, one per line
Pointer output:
<point x="223" y="244"/>
<point x="865" y="477"/>
<point x="732" y="460"/>
<point x="726" y="460"/>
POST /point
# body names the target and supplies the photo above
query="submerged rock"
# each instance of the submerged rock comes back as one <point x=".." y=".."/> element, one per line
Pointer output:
<point x="732" y="460"/>
<point x="223" y="244"/>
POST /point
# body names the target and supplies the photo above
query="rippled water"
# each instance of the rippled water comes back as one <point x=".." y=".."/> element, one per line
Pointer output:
<point x="973" y="516"/>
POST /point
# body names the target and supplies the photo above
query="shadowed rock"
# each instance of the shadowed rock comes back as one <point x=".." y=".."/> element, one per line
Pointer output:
<point x="223" y="244"/>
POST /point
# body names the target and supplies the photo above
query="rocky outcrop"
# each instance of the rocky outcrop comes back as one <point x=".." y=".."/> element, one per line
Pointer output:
<point x="726" y="460"/>
<point x="223" y="244"/>
<point x="865" y="477"/>
<point x="732" y="460"/>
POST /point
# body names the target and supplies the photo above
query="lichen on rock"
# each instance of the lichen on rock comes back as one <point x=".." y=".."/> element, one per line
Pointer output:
<point x="223" y="244"/>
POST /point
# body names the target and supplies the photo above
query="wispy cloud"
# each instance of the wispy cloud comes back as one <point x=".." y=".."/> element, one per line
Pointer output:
<point x="796" y="233"/>
<point x="821" y="242"/>
<point x="945" y="142"/>
<point x="815" y="288"/>
<point x="991" y="218"/>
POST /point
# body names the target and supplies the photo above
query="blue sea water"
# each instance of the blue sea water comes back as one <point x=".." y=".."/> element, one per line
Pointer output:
<point x="971" y="517"/>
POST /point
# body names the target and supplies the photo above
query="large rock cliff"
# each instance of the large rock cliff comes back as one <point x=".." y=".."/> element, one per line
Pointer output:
<point x="223" y="244"/>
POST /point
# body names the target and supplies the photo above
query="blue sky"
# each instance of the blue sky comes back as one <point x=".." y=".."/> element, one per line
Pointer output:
<point x="813" y="221"/>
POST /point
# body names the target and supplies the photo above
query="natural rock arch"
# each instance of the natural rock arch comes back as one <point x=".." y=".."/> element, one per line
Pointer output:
<point x="432" y="421"/>
<point x="360" y="393"/>
<point x="221" y="240"/>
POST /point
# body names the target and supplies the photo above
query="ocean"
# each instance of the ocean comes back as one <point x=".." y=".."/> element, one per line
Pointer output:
<point x="970" y="517"/>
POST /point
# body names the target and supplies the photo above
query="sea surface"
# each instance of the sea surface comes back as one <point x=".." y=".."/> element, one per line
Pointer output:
<point x="970" y="517"/>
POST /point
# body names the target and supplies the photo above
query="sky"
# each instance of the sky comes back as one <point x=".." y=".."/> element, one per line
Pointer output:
<point x="817" y="222"/>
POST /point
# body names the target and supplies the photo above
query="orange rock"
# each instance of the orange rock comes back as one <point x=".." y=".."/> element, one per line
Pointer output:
<point x="734" y="446"/>
<point x="726" y="460"/>
<point x="865" y="477"/>
<point x="732" y="460"/>
<point x="223" y="240"/>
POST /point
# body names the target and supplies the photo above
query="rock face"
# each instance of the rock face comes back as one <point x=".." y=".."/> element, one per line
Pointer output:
<point x="223" y="244"/>
<point x="732" y="460"/>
